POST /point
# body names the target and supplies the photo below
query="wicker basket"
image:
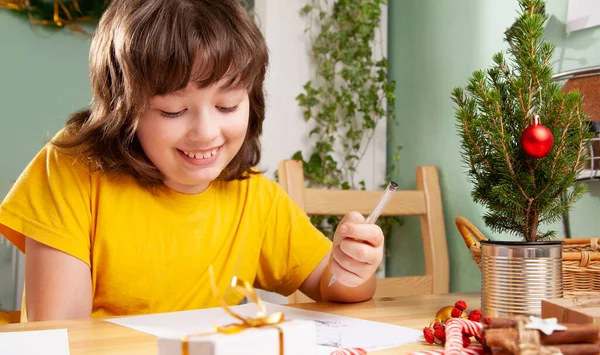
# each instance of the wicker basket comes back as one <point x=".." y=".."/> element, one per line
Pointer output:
<point x="581" y="259"/>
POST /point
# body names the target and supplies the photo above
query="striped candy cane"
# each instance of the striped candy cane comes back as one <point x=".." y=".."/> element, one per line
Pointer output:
<point x="428" y="352"/>
<point x="349" y="351"/>
<point x="474" y="350"/>
<point x="470" y="327"/>
<point x="454" y="342"/>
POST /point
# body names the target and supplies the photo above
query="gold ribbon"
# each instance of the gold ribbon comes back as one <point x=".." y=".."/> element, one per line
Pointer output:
<point x="262" y="319"/>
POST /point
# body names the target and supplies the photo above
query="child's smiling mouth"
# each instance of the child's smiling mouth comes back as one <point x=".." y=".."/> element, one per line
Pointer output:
<point x="200" y="157"/>
<point x="201" y="154"/>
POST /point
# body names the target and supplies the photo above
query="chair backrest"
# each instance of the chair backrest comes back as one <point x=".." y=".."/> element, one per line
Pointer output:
<point x="7" y="317"/>
<point x="425" y="201"/>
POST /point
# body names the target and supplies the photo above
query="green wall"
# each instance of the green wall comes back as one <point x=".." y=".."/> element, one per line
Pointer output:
<point x="434" y="46"/>
<point x="43" y="78"/>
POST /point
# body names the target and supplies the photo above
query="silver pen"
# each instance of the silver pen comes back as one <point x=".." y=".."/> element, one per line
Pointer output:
<point x="379" y="207"/>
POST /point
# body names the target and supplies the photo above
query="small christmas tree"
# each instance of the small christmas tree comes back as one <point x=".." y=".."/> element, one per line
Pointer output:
<point x="521" y="137"/>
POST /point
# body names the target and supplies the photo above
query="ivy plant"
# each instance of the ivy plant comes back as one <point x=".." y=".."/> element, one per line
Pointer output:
<point x="348" y="96"/>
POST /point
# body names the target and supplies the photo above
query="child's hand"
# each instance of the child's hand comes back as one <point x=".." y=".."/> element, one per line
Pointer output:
<point x="357" y="250"/>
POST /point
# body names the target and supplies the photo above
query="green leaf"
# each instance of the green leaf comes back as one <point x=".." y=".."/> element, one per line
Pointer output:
<point x="298" y="156"/>
<point x="305" y="10"/>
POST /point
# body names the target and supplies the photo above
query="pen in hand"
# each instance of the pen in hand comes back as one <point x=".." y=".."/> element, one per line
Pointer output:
<point x="379" y="206"/>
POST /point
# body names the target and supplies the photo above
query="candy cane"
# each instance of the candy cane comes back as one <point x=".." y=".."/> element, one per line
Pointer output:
<point x="349" y="351"/>
<point x="475" y="350"/>
<point x="454" y="342"/>
<point x="428" y="352"/>
<point x="470" y="327"/>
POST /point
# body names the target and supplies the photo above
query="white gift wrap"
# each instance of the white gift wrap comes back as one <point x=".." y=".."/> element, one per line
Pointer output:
<point x="299" y="338"/>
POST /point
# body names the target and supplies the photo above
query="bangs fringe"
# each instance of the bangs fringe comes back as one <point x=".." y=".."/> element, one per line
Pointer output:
<point x="204" y="50"/>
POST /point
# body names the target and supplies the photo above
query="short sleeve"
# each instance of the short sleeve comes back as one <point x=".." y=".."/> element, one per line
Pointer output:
<point x="292" y="247"/>
<point x="50" y="203"/>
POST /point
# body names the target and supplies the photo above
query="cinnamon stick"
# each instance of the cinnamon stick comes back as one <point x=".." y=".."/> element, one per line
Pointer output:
<point x="566" y="349"/>
<point x="501" y="351"/>
<point x="502" y="323"/>
<point x="579" y="349"/>
<point x="575" y="333"/>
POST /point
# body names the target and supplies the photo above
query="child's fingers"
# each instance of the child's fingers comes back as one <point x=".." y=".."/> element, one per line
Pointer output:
<point x="353" y="217"/>
<point x="366" y="233"/>
<point x="343" y="276"/>
<point x="354" y="266"/>
<point x="361" y="252"/>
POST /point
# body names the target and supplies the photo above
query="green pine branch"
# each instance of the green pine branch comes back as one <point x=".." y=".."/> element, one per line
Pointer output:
<point x="520" y="192"/>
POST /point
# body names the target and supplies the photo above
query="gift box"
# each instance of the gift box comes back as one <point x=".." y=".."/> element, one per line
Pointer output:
<point x="298" y="337"/>
<point x="581" y="310"/>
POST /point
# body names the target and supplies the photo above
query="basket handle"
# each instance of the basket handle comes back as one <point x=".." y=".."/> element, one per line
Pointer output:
<point x="468" y="231"/>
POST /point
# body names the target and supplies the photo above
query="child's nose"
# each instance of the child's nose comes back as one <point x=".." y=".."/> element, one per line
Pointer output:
<point x="204" y="127"/>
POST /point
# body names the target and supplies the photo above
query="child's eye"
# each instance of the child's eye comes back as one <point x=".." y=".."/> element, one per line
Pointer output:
<point x="227" y="109"/>
<point x="172" y="114"/>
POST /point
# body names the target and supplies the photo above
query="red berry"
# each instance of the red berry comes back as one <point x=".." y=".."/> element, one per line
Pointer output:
<point x="486" y="320"/>
<point x="462" y="305"/>
<point x="441" y="335"/>
<point x="466" y="340"/>
<point x="437" y="325"/>
<point x="475" y="315"/>
<point x="428" y="335"/>
<point x="456" y="313"/>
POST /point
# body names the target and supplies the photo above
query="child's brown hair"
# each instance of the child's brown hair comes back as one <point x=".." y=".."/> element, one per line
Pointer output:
<point x="143" y="48"/>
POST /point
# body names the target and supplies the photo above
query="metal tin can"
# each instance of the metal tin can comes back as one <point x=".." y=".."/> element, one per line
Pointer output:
<point x="517" y="276"/>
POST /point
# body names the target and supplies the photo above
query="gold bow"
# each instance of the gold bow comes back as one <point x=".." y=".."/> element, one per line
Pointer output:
<point x="262" y="319"/>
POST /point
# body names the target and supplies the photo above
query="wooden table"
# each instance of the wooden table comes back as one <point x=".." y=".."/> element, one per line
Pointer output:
<point x="95" y="336"/>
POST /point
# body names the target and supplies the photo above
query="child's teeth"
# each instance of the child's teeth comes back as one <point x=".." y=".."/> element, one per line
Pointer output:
<point x="200" y="155"/>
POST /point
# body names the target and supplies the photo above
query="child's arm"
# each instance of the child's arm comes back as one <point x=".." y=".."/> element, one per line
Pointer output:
<point x="58" y="285"/>
<point x="356" y="254"/>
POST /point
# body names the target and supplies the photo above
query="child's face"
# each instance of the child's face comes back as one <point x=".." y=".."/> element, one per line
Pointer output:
<point x="192" y="135"/>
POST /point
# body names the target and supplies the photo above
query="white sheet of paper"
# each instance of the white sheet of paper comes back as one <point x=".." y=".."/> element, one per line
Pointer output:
<point x="35" y="342"/>
<point x="582" y="14"/>
<point x="332" y="331"/>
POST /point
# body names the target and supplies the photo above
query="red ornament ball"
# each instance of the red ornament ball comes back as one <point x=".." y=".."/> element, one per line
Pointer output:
<point x="537" y="140"/>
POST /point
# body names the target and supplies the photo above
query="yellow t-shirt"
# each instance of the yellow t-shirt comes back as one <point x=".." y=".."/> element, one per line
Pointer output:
<point x="150" y="252"/>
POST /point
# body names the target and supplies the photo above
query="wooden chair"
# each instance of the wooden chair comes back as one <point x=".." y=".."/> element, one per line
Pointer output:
<point x="10" y="317"/>
<point x="425" y="201"/>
